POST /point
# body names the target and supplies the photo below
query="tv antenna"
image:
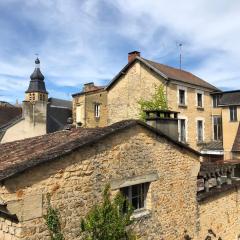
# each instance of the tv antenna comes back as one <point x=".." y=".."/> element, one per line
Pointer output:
<point x="180" y="55"/>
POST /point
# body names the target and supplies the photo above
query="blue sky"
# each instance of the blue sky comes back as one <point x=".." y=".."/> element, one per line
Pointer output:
<point x="81" y="41"/>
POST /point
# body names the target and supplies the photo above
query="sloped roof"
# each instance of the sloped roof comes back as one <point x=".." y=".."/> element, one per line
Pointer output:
<point x="56" y="102"/>
<point x="17" y="156"/>
<point x="167" y="72"/>
<point x="230" y="98"/>
<point x="8" y="114"/>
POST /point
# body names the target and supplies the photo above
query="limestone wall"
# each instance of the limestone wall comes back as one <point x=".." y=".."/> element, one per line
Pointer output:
<point x="9" y="230"/>
<point x="192" y="113"/>
<point x="87" y="102"/>
<point x="33" y="123"/>
<point x="221" y="214"/>
<point x="76" y="182"/>
<point x="139" y="83"/>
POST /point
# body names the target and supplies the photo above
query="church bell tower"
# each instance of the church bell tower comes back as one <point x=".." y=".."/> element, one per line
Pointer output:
<point x="36" y="90"/>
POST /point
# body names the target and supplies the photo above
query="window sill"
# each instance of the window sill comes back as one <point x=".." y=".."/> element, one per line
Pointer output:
<point x="200" y="108"/>
<point x="199" y="143"/>
<point x="233" y="121"/>
<point x="182" y="106"/>
<point x="140" y="213"/>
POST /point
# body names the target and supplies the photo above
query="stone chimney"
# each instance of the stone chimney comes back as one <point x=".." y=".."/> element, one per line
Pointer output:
<point x="164" y="120"/>
<point x="88" y="87"/>
<point x="133" y="55"/>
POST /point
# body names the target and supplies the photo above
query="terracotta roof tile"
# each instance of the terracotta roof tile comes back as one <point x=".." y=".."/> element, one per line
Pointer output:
<point x="181" y="75"/>
<point x="20" y="155"/>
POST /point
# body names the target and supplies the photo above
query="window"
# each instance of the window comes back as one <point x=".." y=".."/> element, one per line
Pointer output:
<point x="41" y="97"/>
<point x="79" y="115"/>
<point x="182" y="130"/>
<point x="217" y="128"/>
<point x="233" y="113"/>
<point x="97" y="110"/>
<point x="200" y="130"/>
<point x="216" y="99"/>
<point x="199" y="100"/>
<point x="182" y="97"/>
<point x="136" y="195"/>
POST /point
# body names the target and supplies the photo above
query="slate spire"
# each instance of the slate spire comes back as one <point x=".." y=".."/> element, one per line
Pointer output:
<point x="37" y="83"/>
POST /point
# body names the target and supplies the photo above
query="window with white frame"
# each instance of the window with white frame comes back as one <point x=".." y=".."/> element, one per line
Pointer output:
<point x="136" y="195"/>
<point x="182" y="130"/>
<point x="200" y="130"/>
<point x="199" y="99"/>
<point x="215" y="99"/>
<point x="233" y="113"/>
<point x="217" y="128"/>
<point x="97" y="110"/>
<point x="182" y="97"/>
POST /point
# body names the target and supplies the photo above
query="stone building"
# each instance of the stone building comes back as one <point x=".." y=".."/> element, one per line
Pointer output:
<point x="182" y="196"/>
<point x="90" y="106"/>
<point x="40" y="114"/>
<point x="185" y="93"/>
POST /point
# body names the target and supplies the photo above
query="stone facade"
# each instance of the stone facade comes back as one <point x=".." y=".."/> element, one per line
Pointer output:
<point x="33" y="122"/>
<point x="221" y="215"/>
<point x="139" y="83"/>
<point x="84" y="109"/>
<point x="76" y="181"/>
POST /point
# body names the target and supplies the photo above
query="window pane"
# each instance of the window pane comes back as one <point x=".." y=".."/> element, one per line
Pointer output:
<point x="199" y="100"/>
<point x="200" y="130"/>
<point x="182" y="97"/>
<point x="136" y="195"/>
<point x="182" y="130"/>
<point x="233" y="113"/>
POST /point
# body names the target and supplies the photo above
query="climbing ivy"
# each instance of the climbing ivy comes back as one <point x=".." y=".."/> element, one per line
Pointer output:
<point x="52" y="219"/>
<point x="109" y="220"/>
<point x="158" y="101"/>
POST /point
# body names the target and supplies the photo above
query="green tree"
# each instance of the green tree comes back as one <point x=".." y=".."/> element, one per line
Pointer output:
<point x="158" y="101"/>
<point x="109" y="220"/>
<point x="52" y="219"/>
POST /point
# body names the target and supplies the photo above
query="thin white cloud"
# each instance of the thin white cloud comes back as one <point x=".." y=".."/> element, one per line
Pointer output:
<point x="88" y="40"/>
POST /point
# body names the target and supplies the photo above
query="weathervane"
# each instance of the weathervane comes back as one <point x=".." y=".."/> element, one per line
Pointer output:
<point x="180" y="55"/>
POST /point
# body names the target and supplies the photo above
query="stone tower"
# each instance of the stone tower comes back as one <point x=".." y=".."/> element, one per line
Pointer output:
<point x="35" y="104"/>
<point x="36" y="90"/>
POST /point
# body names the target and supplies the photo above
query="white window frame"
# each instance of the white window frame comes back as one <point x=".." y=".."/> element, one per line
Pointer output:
<point x="146" y="186"/>
<point x="213" y="127"/>
<point x="203" y="128"/>
<point x="178" y="96"/>
<point x="186" y="127"/>
<point x="202" y="93"/>
<point x="234" y="115"/>
<point x="97" y="110"/>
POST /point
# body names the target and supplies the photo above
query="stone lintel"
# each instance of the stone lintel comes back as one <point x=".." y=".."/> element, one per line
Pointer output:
<point x="129" y="181"/>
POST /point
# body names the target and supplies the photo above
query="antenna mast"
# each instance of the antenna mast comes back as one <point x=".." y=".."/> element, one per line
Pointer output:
<point x="180" y="55"/>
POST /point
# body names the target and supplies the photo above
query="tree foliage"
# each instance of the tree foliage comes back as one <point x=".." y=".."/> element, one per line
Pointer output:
<point x="109" y="220"/>
<point x="52" y="219"/>
<point x="158" y="101"/>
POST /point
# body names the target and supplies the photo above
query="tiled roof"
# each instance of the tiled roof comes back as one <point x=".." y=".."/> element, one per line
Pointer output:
<point x="56" y="102"/>
<point x="93" y="90"/>
<point x="167" y="72"/>
<point x="230" y="98"/>
<point x="9" y="114"/>
<point x="15" y="157"/>
<point x="214" y="145"/>
<point x="181" y="75"/>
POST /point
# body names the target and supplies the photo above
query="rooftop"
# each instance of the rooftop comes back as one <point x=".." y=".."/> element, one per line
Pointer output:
<point x="20" y="155"/>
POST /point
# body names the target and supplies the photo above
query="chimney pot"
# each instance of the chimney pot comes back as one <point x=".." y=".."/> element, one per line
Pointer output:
<point x="133" y="55"/>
